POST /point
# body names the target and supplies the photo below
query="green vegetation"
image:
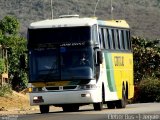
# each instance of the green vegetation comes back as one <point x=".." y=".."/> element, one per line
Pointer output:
<point x="146" y="70"/>
<point x="148" y="90"/>
<point x="5" y="90"/>
<point x="2" y="66"/>
<point x="146" y="58"/>
<point x="9" y="37"/>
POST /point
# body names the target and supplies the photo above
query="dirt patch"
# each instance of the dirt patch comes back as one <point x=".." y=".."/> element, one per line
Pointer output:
<point x="15" y="103"/>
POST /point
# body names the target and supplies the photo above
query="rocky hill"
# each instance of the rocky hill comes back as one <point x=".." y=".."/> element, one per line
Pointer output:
<point x="142" y="15"/>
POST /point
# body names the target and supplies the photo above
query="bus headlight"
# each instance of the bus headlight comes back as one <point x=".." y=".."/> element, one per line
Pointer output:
<point x="38" y="99"/>
<point x="86" y="95"/>
<point x="88" y="87"/>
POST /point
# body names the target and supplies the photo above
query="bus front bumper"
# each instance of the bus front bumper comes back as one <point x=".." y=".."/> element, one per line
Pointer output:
<point x="65" y="97"/>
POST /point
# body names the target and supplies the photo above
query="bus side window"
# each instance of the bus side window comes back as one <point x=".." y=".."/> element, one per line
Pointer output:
<point x="128" y="39"/>
<point x="100" y="38"/>
<point x="110" y="39"/>
<point x="105" y="32"/>
<point x="130" y="42"/>
<point x="113" y="39"/>
<point x="103" y="38"/>
<point x="116" y="39"/>
<point x="120" y="39"/>
<point x="119" y="46"/>
<point x="125" y="40"/>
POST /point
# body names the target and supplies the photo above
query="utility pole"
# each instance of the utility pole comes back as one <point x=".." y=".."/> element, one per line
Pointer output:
<point x="96" y="8"/>
<point x="111" y="10"/>
<point x="51" y="9"/>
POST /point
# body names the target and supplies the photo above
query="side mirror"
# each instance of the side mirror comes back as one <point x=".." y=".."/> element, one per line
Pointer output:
<point x="22" y="61"/>
<point x="99" y="57"/>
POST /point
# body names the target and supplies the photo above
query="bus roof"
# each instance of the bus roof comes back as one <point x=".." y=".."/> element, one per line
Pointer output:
<point x="76" y="21"/>
<point x="114" y="23"/>
<point x="63" y="22"/>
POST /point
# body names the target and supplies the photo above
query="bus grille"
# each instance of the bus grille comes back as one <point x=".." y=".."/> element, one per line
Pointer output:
<point x="62" y="88"/>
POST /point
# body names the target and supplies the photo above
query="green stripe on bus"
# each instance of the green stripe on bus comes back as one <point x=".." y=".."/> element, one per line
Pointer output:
<point x="110" y="72"/>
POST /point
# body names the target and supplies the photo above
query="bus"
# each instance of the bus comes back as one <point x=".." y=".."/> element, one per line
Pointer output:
<point x="76" y="61"/>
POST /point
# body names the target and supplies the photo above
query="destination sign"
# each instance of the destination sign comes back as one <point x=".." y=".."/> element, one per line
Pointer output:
<point x="55" y="45"/>
<point x="73" y="44"/>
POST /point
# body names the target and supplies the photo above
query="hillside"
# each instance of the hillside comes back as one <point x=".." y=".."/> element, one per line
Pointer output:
<point x="142" y="15"/>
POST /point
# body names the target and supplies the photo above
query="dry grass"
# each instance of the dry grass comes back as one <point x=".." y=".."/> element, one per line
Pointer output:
<point x="15" y="101"/>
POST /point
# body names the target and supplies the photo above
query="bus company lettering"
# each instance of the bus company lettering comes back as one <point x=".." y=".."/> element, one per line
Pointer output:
<point x="73" y="44"/>
<point x="119" y="60"/>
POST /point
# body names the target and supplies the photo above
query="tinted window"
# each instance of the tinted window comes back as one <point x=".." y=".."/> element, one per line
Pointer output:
<point x="106" y="40"/>
<point x="128" y="39"/>
<point x="58" y="35"/>
<point x="116" y="39"/>
<point x="110" y="39"/>
<point x="120" y="39"/>
<point x="125" y="40"/>
<point x="113" y="39"/>
<point x="101" y="38"/>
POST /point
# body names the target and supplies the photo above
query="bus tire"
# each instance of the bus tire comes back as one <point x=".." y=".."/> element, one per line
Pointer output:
<point x="122" y="103"/>
<point x="98" y="106"/>
<point x="127" y="90"/>
<point x="111" y="105"/>
<point x="44" y="108"/>
<point x="70" y="108"/>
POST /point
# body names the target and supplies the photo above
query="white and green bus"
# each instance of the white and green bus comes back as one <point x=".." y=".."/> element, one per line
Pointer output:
<point x="78" y="61"/>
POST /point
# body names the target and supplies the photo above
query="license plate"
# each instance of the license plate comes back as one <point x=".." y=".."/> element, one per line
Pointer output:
<point x="59" y="83"/>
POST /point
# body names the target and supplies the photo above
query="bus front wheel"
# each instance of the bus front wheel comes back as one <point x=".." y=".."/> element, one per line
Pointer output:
<point x="98" y="106"/>
<point x="44" y="108"/>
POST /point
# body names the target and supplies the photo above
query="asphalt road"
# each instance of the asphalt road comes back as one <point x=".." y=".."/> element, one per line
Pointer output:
<point x="147" y="111"/>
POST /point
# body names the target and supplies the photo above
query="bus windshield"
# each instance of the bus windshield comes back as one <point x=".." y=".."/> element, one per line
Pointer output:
<point x="63" y="63"/>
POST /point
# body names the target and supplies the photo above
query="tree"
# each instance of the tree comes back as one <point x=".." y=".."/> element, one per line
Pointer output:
<point x="146" y="58"/>
<point x="9" y="25"/>
<point x="9" y="37"/>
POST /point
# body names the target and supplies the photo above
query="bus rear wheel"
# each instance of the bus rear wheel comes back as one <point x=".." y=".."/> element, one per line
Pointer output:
<point x="122" y="103"/>
<point x="111" y="105"/>
<point x="44" y="108"/>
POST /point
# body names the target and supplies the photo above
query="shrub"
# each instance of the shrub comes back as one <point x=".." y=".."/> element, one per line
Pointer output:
<point x="2" y="65"/>
<point x="148" y="90"/>
<point x="146" y="58"/>
<point x="5" y="90"/>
